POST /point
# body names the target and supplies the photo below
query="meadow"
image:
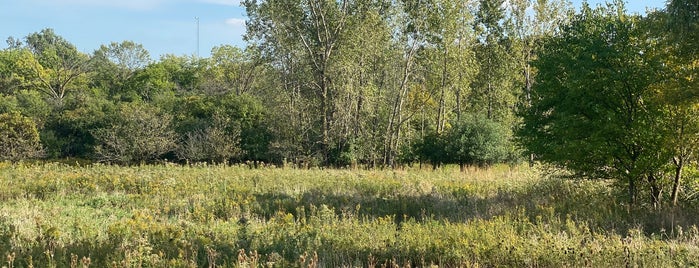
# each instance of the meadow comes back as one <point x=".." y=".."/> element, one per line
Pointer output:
<point x="58" y="215"/>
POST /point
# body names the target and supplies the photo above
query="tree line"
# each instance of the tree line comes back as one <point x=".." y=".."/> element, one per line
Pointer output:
<point x="600" y="92"/>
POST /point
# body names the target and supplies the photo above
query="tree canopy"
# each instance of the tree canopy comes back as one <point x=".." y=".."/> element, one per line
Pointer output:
<point x="601" y="106"/>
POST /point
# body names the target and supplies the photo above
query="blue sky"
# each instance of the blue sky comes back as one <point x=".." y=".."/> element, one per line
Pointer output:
<point x="162" y="26"/>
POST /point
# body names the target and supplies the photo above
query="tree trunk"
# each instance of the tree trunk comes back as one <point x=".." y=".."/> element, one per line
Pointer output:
<point x="679" y="164"/>
<point x="655" y="191"/>
<point x="528" y="89"/>
<point x="394" y="124"/>
<point x="441" y="110"/>
<point x="490" y="101"/>
<point x="459" y="86"/>
<point x="632" y="191"/>
<point x="325" y="140"/>
<point x="458" y="101"/>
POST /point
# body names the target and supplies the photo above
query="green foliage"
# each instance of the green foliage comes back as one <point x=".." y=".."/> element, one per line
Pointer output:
<point x="19" y="138"/>
<point x="17" y="70"/>
<point x="473" y="141"/>
<point x="477" y="140"/>
<point x="182" y="71"/>
<point x="68" y="130"/>
<point x="33" y="105"/>
<point x="231" y="124"/>
<point x="378" y="83"/>
<point x="115" y="65"/>
<point x="138" y="133"/>
<point x="324" y="83"/>
<point x="8" y="103"/>
<point x="230" y="69"/>
<point x="495" y="87"/>
<point x="684" y="25"/>
<point x="218" y="143"/>
<point x="61" y="67"/>
<point x="432" y="148"/>
<point x="594" y="107"/>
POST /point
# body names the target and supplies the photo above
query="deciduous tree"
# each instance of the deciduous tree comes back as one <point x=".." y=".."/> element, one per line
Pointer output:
<point x="61" y="66"/>
<point x="594" y="108"/>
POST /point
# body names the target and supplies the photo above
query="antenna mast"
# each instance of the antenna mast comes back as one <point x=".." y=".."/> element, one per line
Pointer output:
<point x="197" y="19"/>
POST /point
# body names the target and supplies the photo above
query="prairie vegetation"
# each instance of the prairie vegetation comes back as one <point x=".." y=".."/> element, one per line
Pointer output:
<point x="610" y="97"/>
<point x="596" y="90"/>
<point x="57" y="215"/>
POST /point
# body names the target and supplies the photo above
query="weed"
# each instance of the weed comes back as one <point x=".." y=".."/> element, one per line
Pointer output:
<point x="56" y="215"/>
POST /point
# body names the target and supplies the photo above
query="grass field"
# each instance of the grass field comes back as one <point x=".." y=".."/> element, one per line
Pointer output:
<point x="55" y="215"/>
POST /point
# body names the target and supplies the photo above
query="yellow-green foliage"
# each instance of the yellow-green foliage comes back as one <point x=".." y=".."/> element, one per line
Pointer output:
<point x="56" y="215"/>
<point x="19" y="138"/>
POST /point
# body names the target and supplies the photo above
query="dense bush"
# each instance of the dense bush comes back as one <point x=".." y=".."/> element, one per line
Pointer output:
<point x="138" y="133"/>
<point x="477" y="140"/>
<point x="220" y="128"/>
<point x="19" y="137"/>
<point x="68" y="130"/>
<point x="473" y="141"/>
<point x="217" y="143"/>
<point x="433" y="149"/>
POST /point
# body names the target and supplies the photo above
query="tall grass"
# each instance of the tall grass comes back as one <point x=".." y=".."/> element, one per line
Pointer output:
<point x="56" y="215"/>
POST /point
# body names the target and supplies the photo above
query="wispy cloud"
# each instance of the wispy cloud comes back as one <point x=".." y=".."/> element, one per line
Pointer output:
<point x="222" y="2"/>
<point x="235" y="22"/>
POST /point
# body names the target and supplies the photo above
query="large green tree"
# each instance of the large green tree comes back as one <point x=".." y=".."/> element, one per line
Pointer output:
<point x="675" y="29"/>
<point x="477" y="141"/>
<point x="497" y="85"/>
<point x="316" y="27"/>
<point x="114" y="65"/>
<point x="595" y="110"/>
<point x="61" y="66"/>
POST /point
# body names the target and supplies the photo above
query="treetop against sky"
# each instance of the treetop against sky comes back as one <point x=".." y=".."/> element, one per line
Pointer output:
<point x="162" y="26"/>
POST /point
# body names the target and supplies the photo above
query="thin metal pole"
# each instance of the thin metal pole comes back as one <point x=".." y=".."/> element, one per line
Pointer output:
<point x="197" y="19"/>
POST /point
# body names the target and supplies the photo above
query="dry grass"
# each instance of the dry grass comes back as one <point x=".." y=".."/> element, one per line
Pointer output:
<point x="55" y="215"/>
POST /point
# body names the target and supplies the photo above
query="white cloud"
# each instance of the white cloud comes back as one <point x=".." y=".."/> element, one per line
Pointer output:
<point x="223" y="2"/>
<point x="235" y="22"/>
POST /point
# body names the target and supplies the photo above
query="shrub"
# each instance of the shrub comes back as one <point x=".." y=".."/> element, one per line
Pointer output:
<point x="232" y="121"/>
<point x="19" y="137"/>
<point x="67" y="132"/>
<point x="477" y="140"/>
<point x="432" y="148"/>
<point x="139" y="133"/>
<point x="216" y="143"/>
